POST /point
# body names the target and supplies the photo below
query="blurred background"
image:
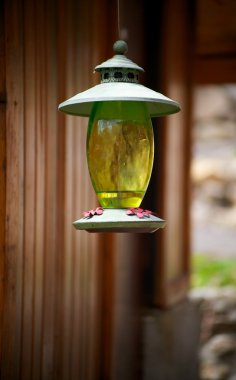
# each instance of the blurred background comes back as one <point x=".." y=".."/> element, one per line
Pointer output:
<point x="213" y="174"/>
<point x="105" y="306"/>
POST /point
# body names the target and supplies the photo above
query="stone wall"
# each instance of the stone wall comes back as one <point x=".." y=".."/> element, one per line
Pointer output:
<point x="218" y="333"/>
<point x="171" y="342"/>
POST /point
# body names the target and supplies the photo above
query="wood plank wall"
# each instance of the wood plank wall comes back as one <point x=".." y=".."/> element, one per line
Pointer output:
<point x="2" y="164"/>
<point x="51" y="276"/>
<point x="71" y="301"/>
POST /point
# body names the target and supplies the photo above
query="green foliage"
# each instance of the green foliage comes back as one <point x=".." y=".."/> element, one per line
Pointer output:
<point x="213" y="272"/>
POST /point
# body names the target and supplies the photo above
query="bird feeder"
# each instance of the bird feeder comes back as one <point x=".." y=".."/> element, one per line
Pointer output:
<point x="120" y="145"/>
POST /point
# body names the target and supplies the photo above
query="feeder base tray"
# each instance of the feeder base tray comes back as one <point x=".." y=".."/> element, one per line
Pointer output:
<point x="116" y="220"/>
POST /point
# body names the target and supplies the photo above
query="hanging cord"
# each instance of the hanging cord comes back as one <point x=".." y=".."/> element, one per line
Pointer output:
<point x="118" y="18"/>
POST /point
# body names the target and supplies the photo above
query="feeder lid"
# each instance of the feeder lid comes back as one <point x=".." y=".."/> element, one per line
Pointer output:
<point x="157" y="104"/>
<point x="119" y="83"/>
<point x="119" y="60"/>
<point x="116" y="220"/>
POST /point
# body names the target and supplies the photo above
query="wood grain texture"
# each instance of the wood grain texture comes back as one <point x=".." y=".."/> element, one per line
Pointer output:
<point x="2" y="215"/>
<point x="53" y="293"/>
<point x="72" y="300"/>
<point x="175" y="139"/>
<point x="29" y="199"/>
<point x="12" y="317"/>
<point x="2" y="168"/>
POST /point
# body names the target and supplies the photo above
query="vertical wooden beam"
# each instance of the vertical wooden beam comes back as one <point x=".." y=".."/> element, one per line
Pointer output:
<point x="173" y="256"/>
<point x="37" y="40"/>
<point x="29" y="192"/>
<point x="59" y="312"/>
<point x="2" y="170"/>
<point x="66" y="61"/>
<point x="14" y="191"/>
<point x="49" y="110"/>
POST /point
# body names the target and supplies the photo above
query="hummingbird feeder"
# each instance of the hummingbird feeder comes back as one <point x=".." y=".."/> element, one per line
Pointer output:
<point x="120" y="145"/>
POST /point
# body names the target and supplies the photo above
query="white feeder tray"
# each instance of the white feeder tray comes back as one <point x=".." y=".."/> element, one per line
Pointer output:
<point x="116" y="220"/>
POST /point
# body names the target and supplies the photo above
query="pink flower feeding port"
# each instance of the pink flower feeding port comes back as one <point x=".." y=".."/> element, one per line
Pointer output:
<point x="91" y="213"/>
<point x="140" y="212"/>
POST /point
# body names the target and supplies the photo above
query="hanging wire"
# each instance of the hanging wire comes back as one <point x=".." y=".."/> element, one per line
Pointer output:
<point x="118" y="17"/>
